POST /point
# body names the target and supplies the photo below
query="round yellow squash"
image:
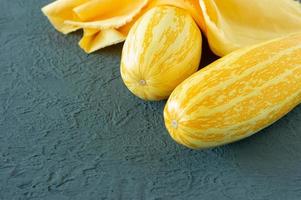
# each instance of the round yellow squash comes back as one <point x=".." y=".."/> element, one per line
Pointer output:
<point x="162" y="49"/>
<point x="237" y="95"/>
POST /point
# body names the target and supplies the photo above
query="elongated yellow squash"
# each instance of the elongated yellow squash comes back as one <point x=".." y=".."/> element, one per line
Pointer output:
<point x="162" y="49"/>
<point x="237" y="95"/>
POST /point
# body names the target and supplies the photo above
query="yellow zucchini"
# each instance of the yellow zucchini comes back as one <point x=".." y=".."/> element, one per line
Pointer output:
<point x="162" y="49"/>
<point x="237" y="95"/>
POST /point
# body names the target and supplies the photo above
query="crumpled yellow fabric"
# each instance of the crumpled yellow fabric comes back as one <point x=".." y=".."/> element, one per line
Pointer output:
<point x="228" y="24"/>
<point x="233" y="24"/>
<point x="106" y="22"/>
<point x="99" y="19"/>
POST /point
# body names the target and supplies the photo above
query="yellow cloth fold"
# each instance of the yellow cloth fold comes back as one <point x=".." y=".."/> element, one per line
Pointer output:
<point x="61" y="10"/>
<point x="95" y="39"/>
<point x="100" y="14"/>
<point x="232" y="24"/>
<point x="100" y="19"/>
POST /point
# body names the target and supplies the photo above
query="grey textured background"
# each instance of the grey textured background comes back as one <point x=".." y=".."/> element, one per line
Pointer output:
<point x="69" y="129"/>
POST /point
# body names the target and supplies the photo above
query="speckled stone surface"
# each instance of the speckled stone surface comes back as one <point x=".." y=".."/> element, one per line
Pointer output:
<point x="69" y="129"/>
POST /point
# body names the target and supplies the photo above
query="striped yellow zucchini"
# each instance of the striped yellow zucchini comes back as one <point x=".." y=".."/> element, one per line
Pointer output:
<point x="162" y="49"/>
<point x="237" y="95"/>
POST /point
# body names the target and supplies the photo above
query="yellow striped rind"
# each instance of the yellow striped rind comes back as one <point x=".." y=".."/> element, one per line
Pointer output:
<point x="162" y="49"/>
<point x="237" y="95"/>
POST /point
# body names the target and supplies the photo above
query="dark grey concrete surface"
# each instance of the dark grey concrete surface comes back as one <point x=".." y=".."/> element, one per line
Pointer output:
<point x="69" y="129"/>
